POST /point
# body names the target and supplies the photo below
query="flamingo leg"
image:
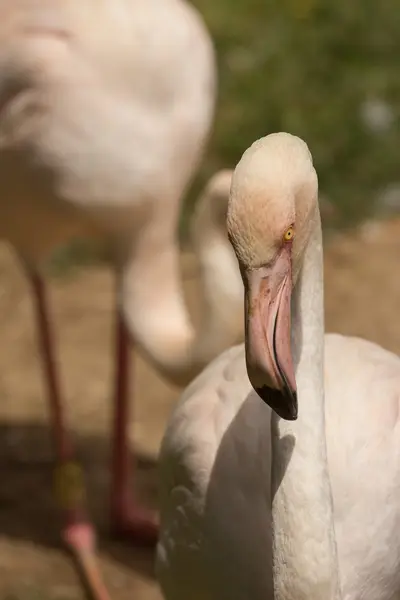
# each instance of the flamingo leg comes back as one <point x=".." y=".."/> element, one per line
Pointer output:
<point x="78" y="533"/>
<point x="128" y="518"/>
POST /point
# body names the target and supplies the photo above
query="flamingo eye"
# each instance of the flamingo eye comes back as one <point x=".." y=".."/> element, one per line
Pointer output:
<point x="289" y="234"/>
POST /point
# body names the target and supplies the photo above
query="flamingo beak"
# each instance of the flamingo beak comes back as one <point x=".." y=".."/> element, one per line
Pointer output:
<point x="268" y="353"/>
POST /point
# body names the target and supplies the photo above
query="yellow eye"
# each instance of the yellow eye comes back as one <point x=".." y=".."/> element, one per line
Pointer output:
<point x="289" y="235"/>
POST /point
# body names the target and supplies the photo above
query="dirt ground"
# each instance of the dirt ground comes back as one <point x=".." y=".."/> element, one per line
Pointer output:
<point x="362" y="298"/>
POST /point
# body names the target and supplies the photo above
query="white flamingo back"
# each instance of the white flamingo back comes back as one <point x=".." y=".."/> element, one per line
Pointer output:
<point x="215" y="469"/>
<point x="78" y="98"/>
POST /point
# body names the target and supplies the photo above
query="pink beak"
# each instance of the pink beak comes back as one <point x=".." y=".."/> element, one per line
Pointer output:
<point x="268" y="352"/>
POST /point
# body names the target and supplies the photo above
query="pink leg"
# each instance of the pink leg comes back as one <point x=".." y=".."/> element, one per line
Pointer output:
<point x="128" y="518"/>
<point x="78" y="533"/>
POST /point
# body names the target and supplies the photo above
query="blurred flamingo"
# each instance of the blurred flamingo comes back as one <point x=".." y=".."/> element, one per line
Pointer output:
<point x="105" y="109"/>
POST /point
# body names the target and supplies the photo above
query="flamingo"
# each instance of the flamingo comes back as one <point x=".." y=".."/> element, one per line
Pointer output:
<point x="105" y="109"/>
<point x="301" y="501"/>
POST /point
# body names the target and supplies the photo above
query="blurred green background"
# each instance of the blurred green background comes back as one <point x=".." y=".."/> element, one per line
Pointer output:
<point x="322" y="69"/>
<point x="325" y="70"/>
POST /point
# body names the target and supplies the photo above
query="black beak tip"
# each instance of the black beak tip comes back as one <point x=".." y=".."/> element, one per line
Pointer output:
<point x="283" y="402"/>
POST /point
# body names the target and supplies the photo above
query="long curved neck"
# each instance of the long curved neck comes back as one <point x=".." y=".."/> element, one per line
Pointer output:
<point x="155" y="308"/>
<point x="305" y="565"/>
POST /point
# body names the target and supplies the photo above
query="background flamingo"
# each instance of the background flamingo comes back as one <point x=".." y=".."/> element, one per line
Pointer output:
<point x="105" y="108"/>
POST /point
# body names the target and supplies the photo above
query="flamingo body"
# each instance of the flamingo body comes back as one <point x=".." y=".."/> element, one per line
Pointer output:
<point x="216" y="467"/>
<point x="100" y="116"/>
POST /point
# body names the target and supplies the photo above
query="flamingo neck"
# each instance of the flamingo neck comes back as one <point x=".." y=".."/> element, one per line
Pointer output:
<point x="155" y="308"/>
<point x="305" y="565"/>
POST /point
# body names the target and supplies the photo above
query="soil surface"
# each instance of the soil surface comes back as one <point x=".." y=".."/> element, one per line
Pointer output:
<point x="362" y="298"/>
